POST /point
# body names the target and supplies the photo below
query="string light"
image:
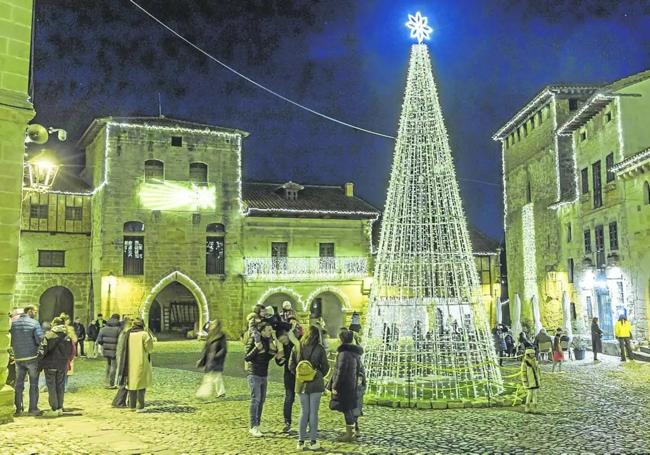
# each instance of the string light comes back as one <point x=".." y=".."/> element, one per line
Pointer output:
<point x="313" y="268"/>
<point x="529" y="251"/>
<point x="427" y="333"/>
<point x="419" y="27"/>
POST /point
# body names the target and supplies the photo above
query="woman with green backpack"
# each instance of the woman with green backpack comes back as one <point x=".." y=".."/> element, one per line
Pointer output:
<point x="309" y="362"/>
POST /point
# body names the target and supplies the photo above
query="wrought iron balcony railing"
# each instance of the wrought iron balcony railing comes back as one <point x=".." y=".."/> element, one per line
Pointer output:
<point x="327" y="268"/>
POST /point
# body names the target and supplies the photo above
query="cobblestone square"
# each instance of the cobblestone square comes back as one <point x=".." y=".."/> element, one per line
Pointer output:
<point x="588" y="408"/>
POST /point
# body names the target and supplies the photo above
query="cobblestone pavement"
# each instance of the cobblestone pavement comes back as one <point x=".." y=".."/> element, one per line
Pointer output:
<point x="588" y="408"/>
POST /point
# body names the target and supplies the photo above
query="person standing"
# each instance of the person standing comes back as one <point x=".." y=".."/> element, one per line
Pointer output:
<point x="258" y="355"/>
<point x="596" y="339"/>
<point x="212" y="361"/>
<point x="107" y="339"/>
<point x="91" y="335"/>
<point x="623" y="333"/>
<point x="139" y="348"/>
<point x="288" y="340"/>
<point x="558" y="354"/>
<point x="310" y="365"/>
<point x="56" y="351"/>
<point x="530" y="378"/>
<point x="80" y="331"/>
<point x="345" y="382"/>
<point x="26" y="335"/>
<point x="122" y="372"/>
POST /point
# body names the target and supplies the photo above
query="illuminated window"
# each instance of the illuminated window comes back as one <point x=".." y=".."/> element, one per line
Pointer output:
<point x="484" y="269"/>
<point x="609" y="163"/>
<point x="584" y="180"/>
<point x="198" y="172"/>
<point x="154" y="170"/>
<point x="326" y="254"/>
<point x="279" y="253"/>
<point x="573" y="104"/>
<point x="597" y="184"/>
<point x="51" y="258"/>
<point x="215" y="257"/>
<point x="133" y="255"/>
<point x="177" y="141"/>
<point x="613" y="236"/>
<point x="73" y="213"/>
<point x="38" y="211"/>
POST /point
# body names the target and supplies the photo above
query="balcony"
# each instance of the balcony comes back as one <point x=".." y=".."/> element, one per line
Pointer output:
<point x="284" y="269"/>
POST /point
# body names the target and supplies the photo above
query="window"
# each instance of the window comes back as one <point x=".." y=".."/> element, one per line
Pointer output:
<point x="38" y="211"/>
<point x="646" y="193"/>
<point x="215" y="227"/>
<point x="583" y="136"/>
<point x="134" y="226"/>
<point x="587" y="237"/>
<point x="600" y="246"/>
<point x="569" y="233"/>
<point x="518" y="134"/>
<point x="133" y="255"/>
<point x="525" y="129"/>
<point x="177" y="141"/>
<point x="291" y="195"/>
<point x="608" y="117"/>
<point x="198" y="172"/>
<point x="73" y="213"/>
<point x="570" y="269"/>
<point x="326" y="254"/>
<point x="279" y="252"/>
<point x="598" y="195"/>
<point x="584" y="180"/>
<point x="215" y="258"/>
<point x="484" y="270"/>
<point x="609" y="163"/>
<point x="51" y="258"/>
<point x="532" y="122"/>
<point x="154" y="170"/>
<point x="573" y="104"/>
<point x="613" y="236"/>
<point x="529" y="192"/>
<point x="539" y="117"/>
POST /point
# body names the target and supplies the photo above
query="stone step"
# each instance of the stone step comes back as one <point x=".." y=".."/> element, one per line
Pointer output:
<point x="645" y="349"/>
<point x="642" y="355"/>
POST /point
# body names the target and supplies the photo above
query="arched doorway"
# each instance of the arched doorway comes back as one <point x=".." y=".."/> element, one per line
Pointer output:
<point x="276" y="300"/>
<point x="331" y="311"/>
<point x="175" y="311"/>
<point x="53" y="302"/>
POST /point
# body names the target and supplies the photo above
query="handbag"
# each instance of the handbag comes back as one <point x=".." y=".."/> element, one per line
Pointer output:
<point x="335" y="404"/>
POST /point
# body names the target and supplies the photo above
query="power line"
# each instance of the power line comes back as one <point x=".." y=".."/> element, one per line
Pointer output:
<point x="257" y="84"/>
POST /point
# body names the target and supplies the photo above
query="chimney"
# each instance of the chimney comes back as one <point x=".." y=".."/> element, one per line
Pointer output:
<point x="349" y="189"/>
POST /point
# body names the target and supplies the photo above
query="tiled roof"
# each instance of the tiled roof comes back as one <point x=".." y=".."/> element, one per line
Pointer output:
<point x="314" y="201"/>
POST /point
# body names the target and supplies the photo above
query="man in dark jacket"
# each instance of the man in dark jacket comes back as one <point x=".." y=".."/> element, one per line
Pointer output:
<point x="258" y="355"/>
<point x="80" y="331"/>
<point x="287" y="341"/>
<point x="26" y="335"/>
<point x="56" y="351"/>
<point x="345" y="381"/>
<point x="107" y="339"/>
<point x="91" y="334"/>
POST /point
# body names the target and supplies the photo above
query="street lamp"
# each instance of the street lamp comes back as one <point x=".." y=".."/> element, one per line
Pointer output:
<point x="42" y="169"/>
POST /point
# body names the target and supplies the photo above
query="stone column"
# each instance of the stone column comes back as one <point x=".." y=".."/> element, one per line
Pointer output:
<point x="15" y="112"/>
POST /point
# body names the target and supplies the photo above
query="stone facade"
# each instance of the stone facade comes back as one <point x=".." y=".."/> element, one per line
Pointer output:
<point x="15" y="112"/>
<point x="595" y="247"/>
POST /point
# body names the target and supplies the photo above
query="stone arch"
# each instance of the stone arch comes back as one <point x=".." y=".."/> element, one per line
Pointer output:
<point x="55" y="301"/>
<point x="191" y="285"/>
<point x="282" y="290"/>
<point x="334" y="305"/>
<point x="345" y="301"/>
<point x="54" y="281"/>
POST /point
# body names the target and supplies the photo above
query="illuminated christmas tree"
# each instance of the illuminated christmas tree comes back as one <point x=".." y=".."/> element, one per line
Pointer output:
<point x="427" y="334"/>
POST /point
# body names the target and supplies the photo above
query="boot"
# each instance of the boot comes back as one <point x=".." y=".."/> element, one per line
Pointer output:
<point x="349" y="434"/>
<point x="357" y="431"/>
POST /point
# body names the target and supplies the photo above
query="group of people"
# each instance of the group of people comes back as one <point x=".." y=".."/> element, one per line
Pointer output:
<point x="51" y="348"/>
<point x="302" y="353"/>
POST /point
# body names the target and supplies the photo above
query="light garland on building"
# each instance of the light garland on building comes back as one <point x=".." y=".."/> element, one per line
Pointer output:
<point x="312" y="268"/>
<point x="632" y="161"/>
<point x="282" y="290"/>
<point x="529" y="251"/>
<point x="427" y="333"/>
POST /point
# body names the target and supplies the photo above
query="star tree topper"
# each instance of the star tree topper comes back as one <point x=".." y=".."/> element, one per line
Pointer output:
<point x="419" y="27"/>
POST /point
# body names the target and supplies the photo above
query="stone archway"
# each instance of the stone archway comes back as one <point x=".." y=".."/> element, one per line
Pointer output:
<point x="53" y="302"/>
<point x="334" y="304"/>
<point x="290" y="294"/>
<point x="189" y="284"/>
<point x="79" y="296"/>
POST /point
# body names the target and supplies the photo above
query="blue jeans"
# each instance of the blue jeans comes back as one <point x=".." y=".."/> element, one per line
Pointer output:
<point x="309" y="403"/>
<point x="24" y="367"/>
<point x="257" y="386"/>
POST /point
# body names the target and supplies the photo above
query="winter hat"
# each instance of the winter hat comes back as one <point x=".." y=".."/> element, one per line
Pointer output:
<point x="530" y="351"/>
<point x="269" y="311"/>
<point x="286" y="305"/>
<point x="58" y="321"/>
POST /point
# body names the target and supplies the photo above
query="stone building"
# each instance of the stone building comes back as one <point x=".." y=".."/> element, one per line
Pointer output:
<point x="16" y="111"/>
<point x="573" y="170"/>
<point x="160" y="224"/>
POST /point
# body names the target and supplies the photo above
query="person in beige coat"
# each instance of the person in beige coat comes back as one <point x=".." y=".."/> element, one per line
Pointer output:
<point x="137" y="363"/>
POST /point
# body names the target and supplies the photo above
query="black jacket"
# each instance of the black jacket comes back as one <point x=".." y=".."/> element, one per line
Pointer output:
<point x="80" y="330"/>
<point x="214" y="353"/>
<point x="107" y="338"/>
<point x="317" y="356"/>
<point x="55" y="349"/>
<point x="289" y="376"/>
<point x="346" y="376"/>
<point x="259" y="360"/>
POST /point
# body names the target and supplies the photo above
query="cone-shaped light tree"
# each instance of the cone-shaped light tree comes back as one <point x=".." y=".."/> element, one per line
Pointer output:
<point x="427" y="334"/>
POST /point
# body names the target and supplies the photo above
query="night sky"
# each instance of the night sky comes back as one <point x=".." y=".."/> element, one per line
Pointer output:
<point x="347" y="59"/>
